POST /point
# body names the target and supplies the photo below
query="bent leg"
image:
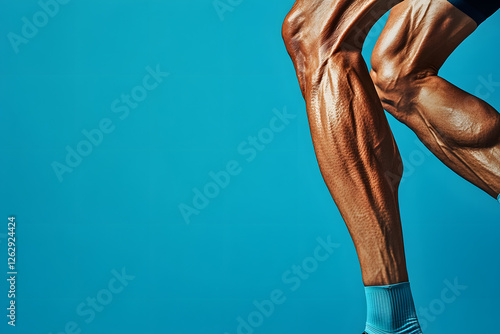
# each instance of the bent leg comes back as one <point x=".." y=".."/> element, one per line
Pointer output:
<point x="460" y="129"/>
<point x="357" y="154"/>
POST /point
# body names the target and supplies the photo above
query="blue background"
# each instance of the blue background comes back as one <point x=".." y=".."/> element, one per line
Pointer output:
<point x="119" y="208"/>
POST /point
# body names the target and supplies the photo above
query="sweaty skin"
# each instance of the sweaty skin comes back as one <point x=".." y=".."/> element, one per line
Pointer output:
<point x="462" y="130"/>
<point x="355" y="148"/>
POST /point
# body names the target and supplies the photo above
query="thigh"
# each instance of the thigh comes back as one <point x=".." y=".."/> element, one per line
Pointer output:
<point x="420" y="35"/>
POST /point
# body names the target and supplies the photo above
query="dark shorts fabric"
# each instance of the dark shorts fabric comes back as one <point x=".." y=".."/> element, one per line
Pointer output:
<point x="478" y="10"/>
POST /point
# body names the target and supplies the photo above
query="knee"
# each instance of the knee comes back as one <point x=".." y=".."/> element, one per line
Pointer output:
<point x="303" y="44"/>
<point x="307" y="34"/>
<point x="289" y="30"/>
<point x="394" y="79"/>
<point x="473" y="122"/>
<point x="292" y="32"/>
<point x="311" y="49"/>
<point x="389" y="79"/>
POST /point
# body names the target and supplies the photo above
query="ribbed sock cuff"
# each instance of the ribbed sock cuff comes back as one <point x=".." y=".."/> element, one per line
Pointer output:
<point x="390" y="309"/>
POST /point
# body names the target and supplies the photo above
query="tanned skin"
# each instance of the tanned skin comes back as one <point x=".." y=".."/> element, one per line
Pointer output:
<point x="355" y="148"/>
<point x="462" y="130"/>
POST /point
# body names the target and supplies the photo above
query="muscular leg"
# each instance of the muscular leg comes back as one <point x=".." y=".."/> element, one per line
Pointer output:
<point x="461" y="130"/>
<point x="353" y="143"/>
<point x="355" y="147"/>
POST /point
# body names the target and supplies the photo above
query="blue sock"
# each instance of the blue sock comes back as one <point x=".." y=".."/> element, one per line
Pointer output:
<point x="390" y="309"/>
